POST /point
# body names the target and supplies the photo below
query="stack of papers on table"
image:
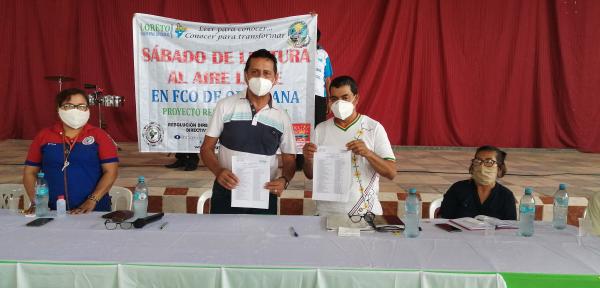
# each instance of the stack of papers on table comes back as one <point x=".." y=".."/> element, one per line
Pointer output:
<point x="482" y="222"/>
<point x="471" y="223"/>
<point x="500" y="224"/>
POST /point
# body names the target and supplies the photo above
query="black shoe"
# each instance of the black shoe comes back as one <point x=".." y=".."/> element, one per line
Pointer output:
<point x="176" y="164"/>
<point x="299" y="162"/>
<point x="190" y="167"/>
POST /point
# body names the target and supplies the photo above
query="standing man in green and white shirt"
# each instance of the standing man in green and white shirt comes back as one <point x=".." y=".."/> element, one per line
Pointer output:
<point x="372" y="153"/>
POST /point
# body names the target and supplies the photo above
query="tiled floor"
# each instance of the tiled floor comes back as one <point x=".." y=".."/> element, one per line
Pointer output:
<point x="429" y="169"/>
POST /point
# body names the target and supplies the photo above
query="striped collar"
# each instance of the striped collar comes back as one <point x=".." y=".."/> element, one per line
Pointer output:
<point x="351" y="124"/>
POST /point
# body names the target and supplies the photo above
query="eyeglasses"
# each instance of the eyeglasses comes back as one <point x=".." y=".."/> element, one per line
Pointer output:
<point x="80" y="107"/>
<point x="111" y="225"/>
<point x="356" y="218"/>
<point x="486" y="162"/>
<point x="370" y="219"/>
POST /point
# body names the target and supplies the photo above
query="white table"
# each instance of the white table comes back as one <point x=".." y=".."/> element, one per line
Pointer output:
<point x="259" y="251"/>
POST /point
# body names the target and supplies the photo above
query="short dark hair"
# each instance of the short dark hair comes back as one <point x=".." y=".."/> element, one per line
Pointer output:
<point x="66" y="94"/>
<point x="262" y="53"/>
<point x="340" y="81"/>
<point x="500" y="158"/>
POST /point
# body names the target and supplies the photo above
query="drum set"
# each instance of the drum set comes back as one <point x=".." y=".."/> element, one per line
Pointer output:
<point x="95" y="98"/>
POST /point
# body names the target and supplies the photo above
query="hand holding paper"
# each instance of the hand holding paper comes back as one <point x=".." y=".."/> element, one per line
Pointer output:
<point x="253" y="171"/>
<point x="331" y="174"/>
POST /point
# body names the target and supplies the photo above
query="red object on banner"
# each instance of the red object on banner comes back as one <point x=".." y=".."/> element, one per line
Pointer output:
<point x="302" y="133"/>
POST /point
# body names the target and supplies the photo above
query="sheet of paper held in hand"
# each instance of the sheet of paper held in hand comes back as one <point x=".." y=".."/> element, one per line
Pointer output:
<point x="331" y="174"/>
<point x="254" y="172"/>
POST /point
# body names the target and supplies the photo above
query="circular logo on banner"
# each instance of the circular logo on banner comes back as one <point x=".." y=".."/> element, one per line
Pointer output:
<point x="153" y="134"/>
<point x="88" y="140"/>
<point x="298" y="35"/>
<point x="179" y="29"/>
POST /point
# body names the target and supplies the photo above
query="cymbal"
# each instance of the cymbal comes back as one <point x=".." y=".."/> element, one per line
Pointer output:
<point x="59" y="78"/>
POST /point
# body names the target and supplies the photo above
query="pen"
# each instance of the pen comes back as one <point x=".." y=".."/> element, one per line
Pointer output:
<point x="163" y="225"/>
<point x="293" y="231"/>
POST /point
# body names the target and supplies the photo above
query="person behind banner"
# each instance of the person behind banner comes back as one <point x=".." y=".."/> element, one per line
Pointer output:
<point x="186" y="161"/>
<point x="79" y="160"/>
<point x="249" y="123"/>
<point x="482" y="194"/>
<point x="323" y="74"/>
<point x="372" y="153"/>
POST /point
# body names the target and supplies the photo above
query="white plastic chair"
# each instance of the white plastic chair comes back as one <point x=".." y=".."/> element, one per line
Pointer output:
<point x="118" y="192"/>
<point x="16" y="190"/>
<point x="435" y="205"/>
<point x="205" y="196"/>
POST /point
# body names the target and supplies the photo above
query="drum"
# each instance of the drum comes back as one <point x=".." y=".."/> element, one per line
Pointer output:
<point x="107" y="101"/>
<point x="92" y="99"/>
<point x="112" y="101"/>
<point x="118" y="101"/>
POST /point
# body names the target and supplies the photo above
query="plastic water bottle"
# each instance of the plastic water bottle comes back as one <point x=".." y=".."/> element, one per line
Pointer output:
<point x="140" y="199"/>
<point x="61" y="206"/>
<point x="412" y="214"/>
<point x="526" y="213"/>
<point x="561" y="205"/>
<point x="41" y="196"/>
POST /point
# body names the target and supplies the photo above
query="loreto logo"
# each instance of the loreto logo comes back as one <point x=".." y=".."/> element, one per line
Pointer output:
<point x="156" y="30"/>
<point x="298" y="35"/>
<point x="179" y="30"/>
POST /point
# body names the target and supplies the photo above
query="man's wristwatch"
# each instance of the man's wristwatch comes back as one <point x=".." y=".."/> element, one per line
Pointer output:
<point x="287" y="182"/>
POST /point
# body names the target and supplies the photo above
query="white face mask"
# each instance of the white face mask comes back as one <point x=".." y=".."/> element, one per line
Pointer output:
<point x="260" y="86"/>
<point x="485" y="175"/>
<point x="342" y="109"/>
<point x="74" y="118"/>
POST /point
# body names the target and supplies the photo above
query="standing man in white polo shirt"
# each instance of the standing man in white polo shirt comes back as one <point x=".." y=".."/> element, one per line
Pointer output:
<point x="372" y="153"/>
<point x="249" y="123"/>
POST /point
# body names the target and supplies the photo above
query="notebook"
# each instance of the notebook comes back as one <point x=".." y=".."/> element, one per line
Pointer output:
<point x="388" y="220"/>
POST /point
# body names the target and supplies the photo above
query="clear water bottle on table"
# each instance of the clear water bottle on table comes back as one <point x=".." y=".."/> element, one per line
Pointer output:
<point x="412" y="214"/>
<point x="61" y="206"/>
<point x="561" y="207"/>
<point x="526" y="213"/>
<point x="41" y="196"/>
<point x="140" y="199"/>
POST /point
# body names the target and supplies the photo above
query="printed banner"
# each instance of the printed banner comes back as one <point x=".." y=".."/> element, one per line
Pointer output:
<point x="183" y="68"/>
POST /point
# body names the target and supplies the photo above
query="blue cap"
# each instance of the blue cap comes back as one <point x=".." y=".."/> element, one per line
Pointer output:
<point x="412" y="191"/>
<point x="562" y="186"/>
<point x="528" y="190"/>
<point x="141" y="179"/>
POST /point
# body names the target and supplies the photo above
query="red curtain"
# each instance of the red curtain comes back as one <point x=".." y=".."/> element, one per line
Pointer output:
<point x="443" y="73"/>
